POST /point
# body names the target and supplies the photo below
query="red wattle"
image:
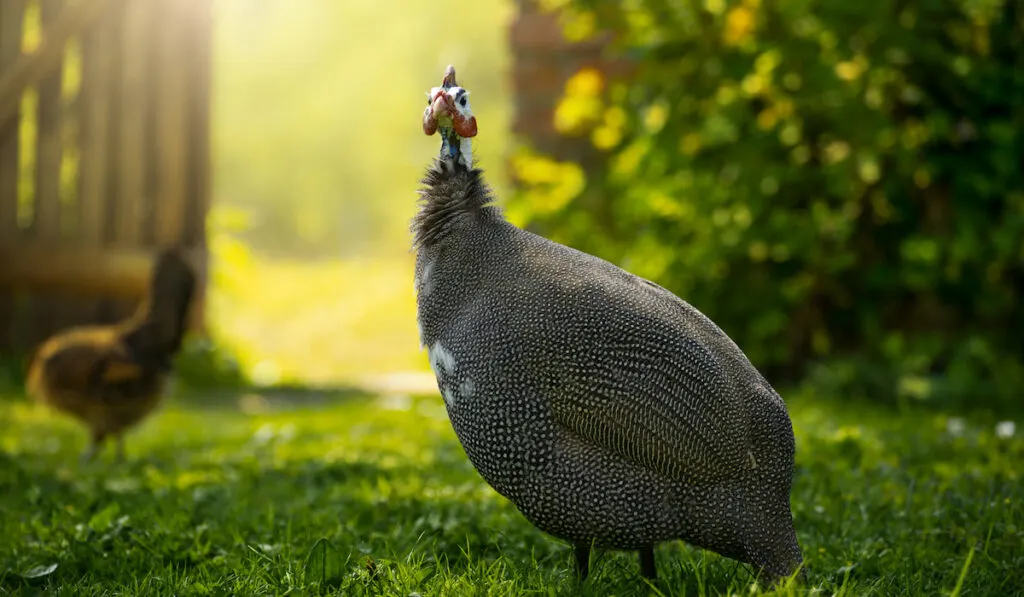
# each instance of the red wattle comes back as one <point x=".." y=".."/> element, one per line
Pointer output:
<point x="464" y="127"/>
<point x="429" y="123"/>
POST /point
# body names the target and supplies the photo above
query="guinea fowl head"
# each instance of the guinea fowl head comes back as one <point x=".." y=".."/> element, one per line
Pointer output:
<point x="453" y="188"/>
<point x="448" y="112"/>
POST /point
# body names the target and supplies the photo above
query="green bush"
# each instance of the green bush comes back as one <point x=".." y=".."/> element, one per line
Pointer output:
<point x="204" y="365"/>
<point x="840" y="185"/>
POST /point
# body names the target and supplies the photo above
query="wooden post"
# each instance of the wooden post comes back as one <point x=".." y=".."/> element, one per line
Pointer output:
<point x="46" y="222"/>
<point x="171" y="81"/>
<point x="30" y="68"/>
<point x="140" y="128"/>
<point x="95" y="142"/>
<point x="11" y="23"/>
<point x="198" y="35"/>
<point x="12" y="18"/>
<point x="132" y="165"/>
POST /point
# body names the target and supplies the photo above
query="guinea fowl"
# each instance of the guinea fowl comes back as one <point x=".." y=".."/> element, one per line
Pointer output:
<point x="110" y="377"/>
<point x="609" y="411"/>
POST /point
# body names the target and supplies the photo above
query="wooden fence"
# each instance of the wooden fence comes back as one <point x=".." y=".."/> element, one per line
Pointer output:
<point x="104" y="154"/>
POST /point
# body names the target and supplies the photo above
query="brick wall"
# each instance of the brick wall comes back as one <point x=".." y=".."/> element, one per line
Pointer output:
<point x="542" y="61"/>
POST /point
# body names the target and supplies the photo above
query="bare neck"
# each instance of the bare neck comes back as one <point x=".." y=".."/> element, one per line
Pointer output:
<point x="450" y="192"/>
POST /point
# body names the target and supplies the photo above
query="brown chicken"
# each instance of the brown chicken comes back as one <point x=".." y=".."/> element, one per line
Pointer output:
<point x="112" y="376"/>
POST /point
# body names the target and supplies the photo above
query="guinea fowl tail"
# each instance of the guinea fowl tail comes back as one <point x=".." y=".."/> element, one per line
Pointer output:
<point x="163" y="318"/>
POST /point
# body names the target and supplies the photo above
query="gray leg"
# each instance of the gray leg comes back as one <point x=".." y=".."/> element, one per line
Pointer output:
<point x="647" y="565"/>
<point x="582" y="551"/>
<point x="120" y="448"/>
<point x="94" y="446"/>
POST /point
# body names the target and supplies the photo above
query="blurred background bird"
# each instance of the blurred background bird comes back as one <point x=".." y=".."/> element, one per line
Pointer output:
<point x="111" y="377"/>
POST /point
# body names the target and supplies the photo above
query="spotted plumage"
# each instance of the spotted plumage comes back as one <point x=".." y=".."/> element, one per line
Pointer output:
<point x="608" y="410"/>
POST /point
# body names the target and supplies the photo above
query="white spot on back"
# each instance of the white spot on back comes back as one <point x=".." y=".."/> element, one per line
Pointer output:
<point x="467" y="388"/>
<point x="424" y="281"/>
<point x="440" y="358"/>
<point x="446" y="393"/>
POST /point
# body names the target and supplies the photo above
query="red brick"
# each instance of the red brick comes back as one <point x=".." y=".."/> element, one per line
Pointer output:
<point x="531" y="118"/>
<point x="545" y="79"/>
<point x="543" y="60"/>
<point x="536" y="30"/>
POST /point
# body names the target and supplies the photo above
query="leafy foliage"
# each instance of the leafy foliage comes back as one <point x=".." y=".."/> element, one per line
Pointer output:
<point x="376" y="497"/>
<point x="839" y="185"/>
<point x="206" y="364"/>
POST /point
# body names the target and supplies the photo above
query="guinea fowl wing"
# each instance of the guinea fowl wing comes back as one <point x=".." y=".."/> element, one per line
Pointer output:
<point x="639" y="381"/>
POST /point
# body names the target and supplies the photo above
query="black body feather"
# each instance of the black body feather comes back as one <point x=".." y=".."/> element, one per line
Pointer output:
<point x="610" y="411"/>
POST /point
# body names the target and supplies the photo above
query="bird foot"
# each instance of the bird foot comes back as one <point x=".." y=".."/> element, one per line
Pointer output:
<point x="648" y="567"/>
<point x="89" y="454"/>
<point x="582" y="552"/>
<point x="120" y="455"/>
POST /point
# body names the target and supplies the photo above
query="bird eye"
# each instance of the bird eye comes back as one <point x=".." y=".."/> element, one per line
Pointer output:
<point x="462" y="101"/>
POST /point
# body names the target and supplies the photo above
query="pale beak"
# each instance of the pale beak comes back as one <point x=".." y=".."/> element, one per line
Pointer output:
<point x="440" y="106"/>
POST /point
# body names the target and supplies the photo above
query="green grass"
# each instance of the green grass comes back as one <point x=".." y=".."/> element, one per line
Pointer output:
<point x="232" y="497"/>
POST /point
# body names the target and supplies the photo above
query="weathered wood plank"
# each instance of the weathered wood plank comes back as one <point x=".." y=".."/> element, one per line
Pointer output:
<point x="116" y="24"/>
<point x="29" y="69"/>
<point x="12" y="18"/>
<point x="200" y="28"/>
<point x="46" y="223"/>
<point x="200" y="33"/>
<point x="75" y="270"/>
<point x="134" y="79"/>
<point x="95" y="141"/>
<point x="142" y="124"/>
<point x="112" y="273"/>
<point x="171" y="97"/>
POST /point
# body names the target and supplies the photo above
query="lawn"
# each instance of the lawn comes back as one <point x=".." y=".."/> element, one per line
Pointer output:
<point x="373" y="495"/>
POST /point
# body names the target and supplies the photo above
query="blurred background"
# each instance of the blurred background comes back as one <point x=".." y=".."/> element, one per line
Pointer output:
<point x="290" y="135"/>
<point x="839" y="186"/>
